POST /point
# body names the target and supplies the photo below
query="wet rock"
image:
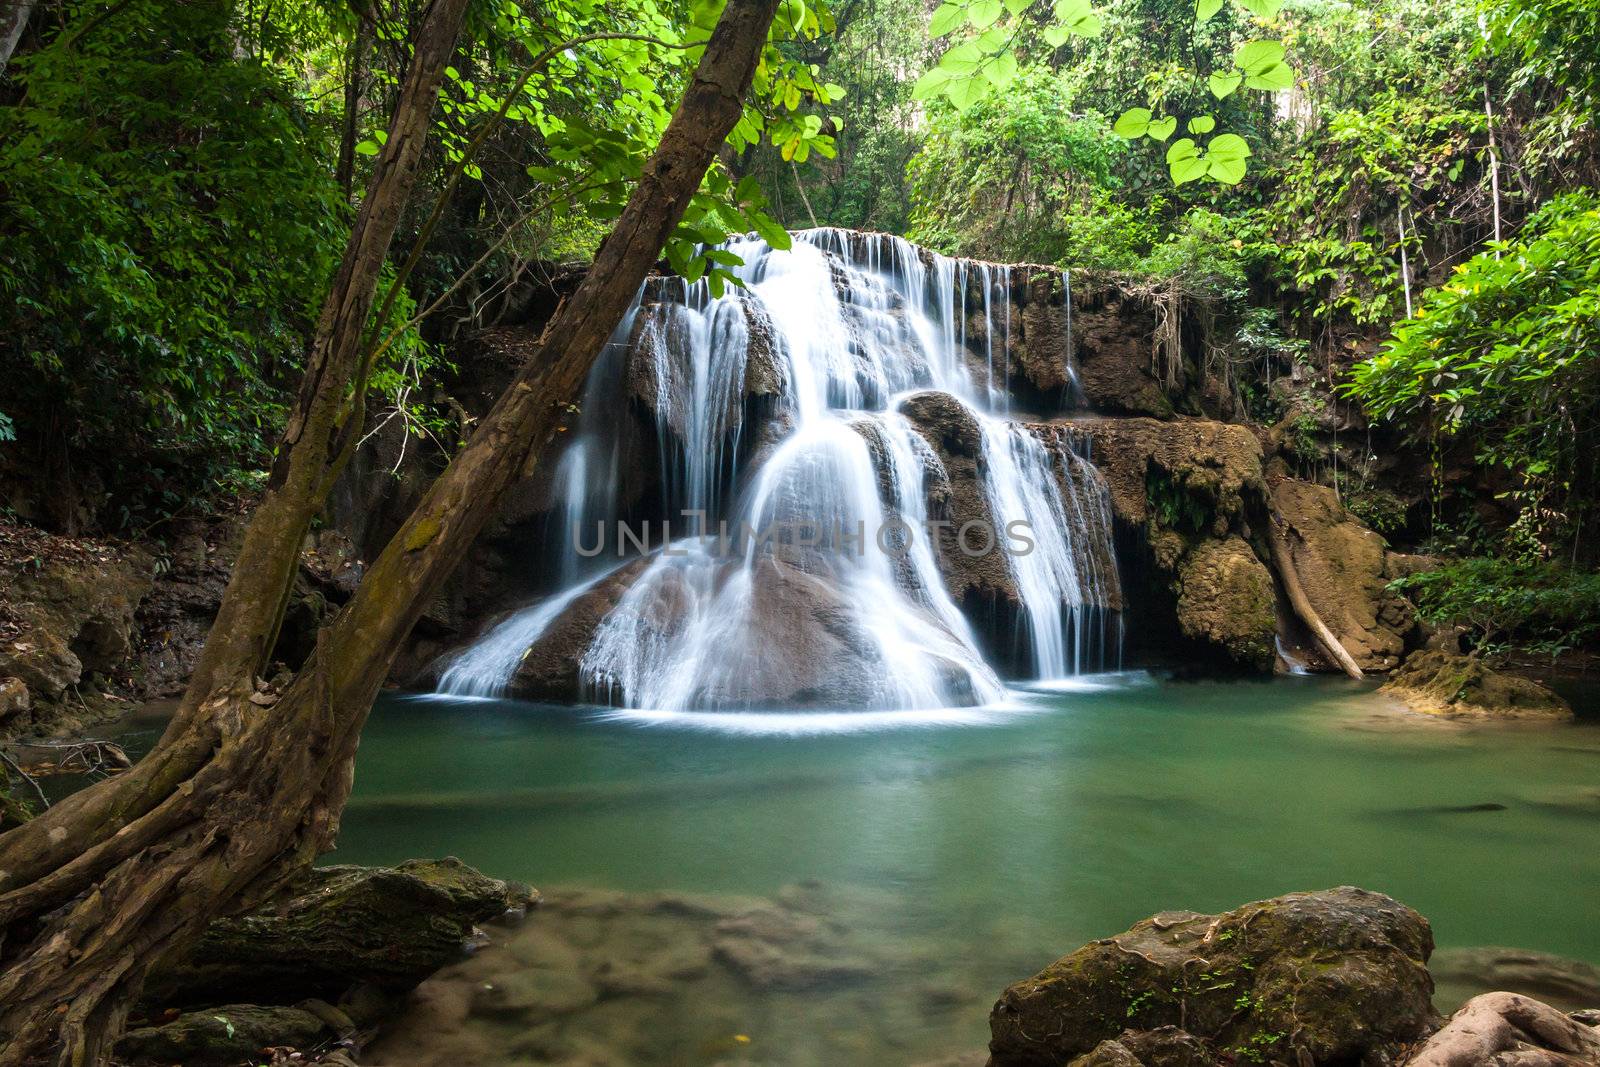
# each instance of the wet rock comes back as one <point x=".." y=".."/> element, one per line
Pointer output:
<point x="1226" y="597"/>
<point x="1165" y="1046"/>
<point x="1320" y="978"/>
<point x="225" y="1035"/>
<point x="805" y="644"/>
<point x="1465" y="972"/>
<point x="1510" y="1030"/>
<point x="1112" y="333"/>
<point x="1454" y="686"/>
<point x="340" y="926"/>
<point x="1345" y="571"/>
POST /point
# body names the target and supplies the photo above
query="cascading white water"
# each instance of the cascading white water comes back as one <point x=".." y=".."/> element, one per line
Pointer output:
<point x="855" y="323"/>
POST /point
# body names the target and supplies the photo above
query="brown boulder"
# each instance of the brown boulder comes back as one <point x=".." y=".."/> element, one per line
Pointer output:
<point x="1226" y="596"/>
<point x="1454" y="686"/>
<point x="1194" y="474"/>
<point x="1345" y="570"/>
<point x="1315" y="978"/>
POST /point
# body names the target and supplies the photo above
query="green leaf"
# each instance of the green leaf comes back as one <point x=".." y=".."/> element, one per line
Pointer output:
<point x="1204" y="9"/>
<point x="1262" y="8"/>
<point x="772" y="233"/>
<point x="1223" y="84"/>
<point x="1274" y="79"/>
<point x="946" y="18"/>
<point x="1001" y="69"/>
<point x="964" y="92"/>
<point x="1226" y="171"/>
<point x="981" y="14"/>
<point x="1228" y="146"/>
<point x="1017" y="7"/>
<point x="1202" y="124"/>
<point x="1161" y="129"/>
<point x="1078" y="17"/>
<point x="1056" y="35"/>
<point x="1253" y="56"/>
<point x="931" y="84"/>
<point x="1133" y="123"/>
<point x="367" y="148"/>
<point x="963" y="60"/>
<point x="1184" y="161"/>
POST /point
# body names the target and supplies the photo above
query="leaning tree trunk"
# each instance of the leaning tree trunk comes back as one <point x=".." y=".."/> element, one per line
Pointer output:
<point x="13" y="20"/>
<point x="1301" y="603"/>
<point x="236" y="796"/>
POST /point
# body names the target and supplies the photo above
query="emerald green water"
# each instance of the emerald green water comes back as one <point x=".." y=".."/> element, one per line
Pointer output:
<point x="1002" y="840"/>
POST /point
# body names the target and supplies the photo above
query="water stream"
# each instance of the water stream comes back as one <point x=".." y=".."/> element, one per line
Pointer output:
<point x="778" y="406"/>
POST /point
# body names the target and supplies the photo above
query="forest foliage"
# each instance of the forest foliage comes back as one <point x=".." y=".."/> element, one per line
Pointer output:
<point x="1390" y="205"/>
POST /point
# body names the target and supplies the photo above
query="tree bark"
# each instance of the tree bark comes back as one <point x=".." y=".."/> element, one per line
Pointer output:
<point x="1302" y="603"/>
<point x="13" y="20"/>
<point x="355" y="74"/>
<point x="236" y="797"/>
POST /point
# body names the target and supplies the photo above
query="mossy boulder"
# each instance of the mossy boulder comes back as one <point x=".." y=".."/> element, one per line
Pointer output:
<point x="1454" y="686"/>
<point x="389" y="927"/>
<point x="226" y="1035"/>
<point x="1226" y="596"/>
<point x="1328" y="977"/>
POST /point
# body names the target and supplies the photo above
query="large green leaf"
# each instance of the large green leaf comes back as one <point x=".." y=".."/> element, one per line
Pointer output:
<point x="1202" y="124"/>
<point x="1135" y="122"/>
<point x="1224" y="83"/>
<point x="983" y="13"/>
<point x="946" y="18"/>
<point x="931" y="84"/>
<point x="1161" y="129"/>
<point x="1204" y="9"/>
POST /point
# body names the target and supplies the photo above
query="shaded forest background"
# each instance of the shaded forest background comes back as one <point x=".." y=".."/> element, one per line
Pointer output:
<point x="1405" y="286"/>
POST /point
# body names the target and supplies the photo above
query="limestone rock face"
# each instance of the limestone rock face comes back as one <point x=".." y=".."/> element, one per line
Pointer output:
<point x="1226" y="597"/>
<point x="1329" y="977"/>
<point x="1345" y="570"/>
<point x="1187" y="488"/>
<point x="959" y="498"/>
<point x="1447" y="684"/>
<point x="1511" y="1030"/>
<point x="1192" y="474"/>
<point x="389" y="927"/>
<point x="1112" y="334"/>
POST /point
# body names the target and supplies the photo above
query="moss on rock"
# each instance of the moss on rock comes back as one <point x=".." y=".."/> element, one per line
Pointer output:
<point x="1226" y="596"/>
<point x="1316" y="978"/>
<point x="1447" y="684"/>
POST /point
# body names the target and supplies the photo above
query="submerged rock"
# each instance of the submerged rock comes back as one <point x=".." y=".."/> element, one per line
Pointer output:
<point x="1510" y="1030"/>
<point x="1453" y="686"/>
<point x="1316" y="978"/>
<point x="1466" y="972"/>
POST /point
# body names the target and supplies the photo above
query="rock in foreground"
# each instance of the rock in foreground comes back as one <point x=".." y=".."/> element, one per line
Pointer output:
<point x="1315" y="978"/>
<point x="389" y="927"/>
<point x="1510" y="1030"/>
<point x="1452" y="686"/>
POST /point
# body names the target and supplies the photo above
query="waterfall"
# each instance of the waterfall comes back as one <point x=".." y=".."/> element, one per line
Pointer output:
<point x="779" y="406"/>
